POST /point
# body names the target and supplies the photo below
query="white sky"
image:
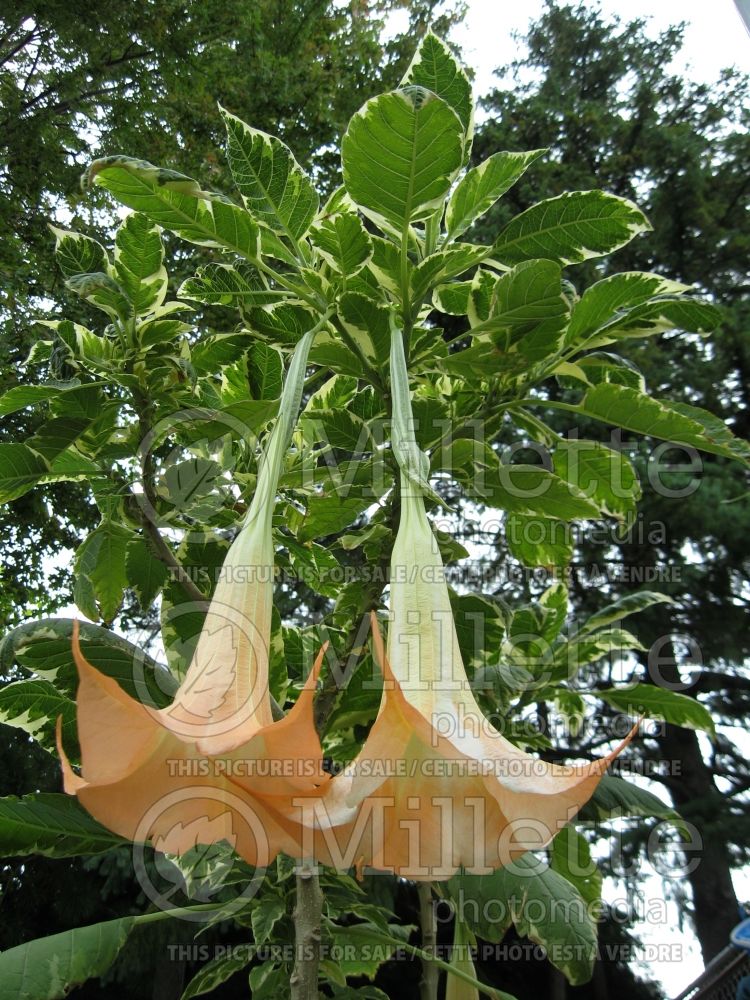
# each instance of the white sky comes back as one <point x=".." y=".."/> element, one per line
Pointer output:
<point x="715" y="38"/>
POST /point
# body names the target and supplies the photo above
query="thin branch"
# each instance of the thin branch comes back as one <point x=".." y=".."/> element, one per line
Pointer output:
<point x="428" y="985"/>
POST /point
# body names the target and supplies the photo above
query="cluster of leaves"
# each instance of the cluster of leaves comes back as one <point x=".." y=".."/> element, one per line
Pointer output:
<point x="161" y="414"/>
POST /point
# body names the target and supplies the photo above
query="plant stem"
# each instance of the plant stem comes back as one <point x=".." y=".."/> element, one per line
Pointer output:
<point x="428" y="985"/>
<point x="308" y="910"/>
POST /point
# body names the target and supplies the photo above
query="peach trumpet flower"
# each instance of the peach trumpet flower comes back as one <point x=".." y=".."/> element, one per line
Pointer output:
<point x="435" y="787"/>
<point x="163" y="775"/>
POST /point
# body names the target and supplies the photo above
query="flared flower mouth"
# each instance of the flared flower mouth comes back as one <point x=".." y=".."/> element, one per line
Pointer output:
<point x="148" y="783"/>
<point x="169" y="775"/>
<point x="424" y="805"/>
<point x="435" y="787"/>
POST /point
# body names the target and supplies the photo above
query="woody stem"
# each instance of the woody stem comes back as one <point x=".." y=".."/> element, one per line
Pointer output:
<point x="428" y="985"/>
<point x="308" y="909"/>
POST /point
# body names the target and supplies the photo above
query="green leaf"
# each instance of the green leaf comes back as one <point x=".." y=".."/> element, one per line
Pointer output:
<point x="225" y="285"/>
<point x="102" y="291"/>
<point x="542" y="905"/>
<point x="34" y="707"/>
<point x="571" y="228"/>
<point x="139" y="263"/>
<point x="368" y="325"/>
<point x="530" y="489"/>
<point x="528" y="310"/>
<point x="660" y="703"/>
<point x="538" y="541"/>
<point x="435" y="68"/>
<point x="45" y="648"/>
<point x="146" y="575"/>
<point x="605" y="475"/>
<point x="400" y="155"/>
<point x="675" y="422"/>
<point x="20" y="470"/>
<point x="609" y="298"/>
<point x="338" y="428"/>
<point x="265" y="371"/>
<point x="216" y="972"/>
<point x="588" y="648"/>
<point x="614" y="798"/>
<point x="570" y="856"/>
<point x="275" y="189"/>
<point x="53" y="825"/>
<point x="328" y="515"/>
<point x="480" y="187"/>
<point x="48" y="968"/>
<point x="266" y="913"/>
<point x="177" y="203"/>
<point x="630" y="604"/>
<point x="343" y="242"/>
<point x="443" y="265"/>
<point x="78" y="254"/>
<point x="686" y="314"/>
<point x="100" y="570"/>
<point x="56" y="435"/>
<point x="21" y="396"/>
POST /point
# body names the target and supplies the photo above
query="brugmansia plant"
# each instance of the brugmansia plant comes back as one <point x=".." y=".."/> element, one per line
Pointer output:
<point x="226" y="763"/>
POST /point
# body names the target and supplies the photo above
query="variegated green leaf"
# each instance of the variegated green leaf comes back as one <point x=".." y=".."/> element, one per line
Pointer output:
<point x="526" y="303"/>
<point x="34" y="706"/>
<point x="605" y="475"/>
<point x="177" y="203"/>
<point x="400" y="155"/>
<point x="659" y="703"/>
<point x="101" y="577"/>
<point x="139" y="263"/>
<point x="276" y="190"/>
<point x="480" y="187"/>
<point x="343" y="242"/>
<point x="609" y="298"/>
<point x="51" y="825"/>
<point x="226" y="285"/>
<point x="102" y="291"/>
<point x="650" y="318"/>
<point x="538" y="541"/>
<point x="20" y="470"/>
<point x="676" y="422"/>
<point x="442" y="266"/>
<point x="571" y="228"/>
<point x="50" y="967"/>
<point x="435" y="68"/>
<point x="367" y="323"/>
<point x="78" y="254"/>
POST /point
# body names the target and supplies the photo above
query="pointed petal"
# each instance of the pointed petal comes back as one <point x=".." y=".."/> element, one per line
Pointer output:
<point x="422" y="804"/>
<point x="71" y="781"/>
<point x="115" y="731"/>
<point x="292" y="745"/>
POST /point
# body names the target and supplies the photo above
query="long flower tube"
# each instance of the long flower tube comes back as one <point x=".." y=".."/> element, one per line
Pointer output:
<point x="436" y="788"/>
<point x="164" y="775"/>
